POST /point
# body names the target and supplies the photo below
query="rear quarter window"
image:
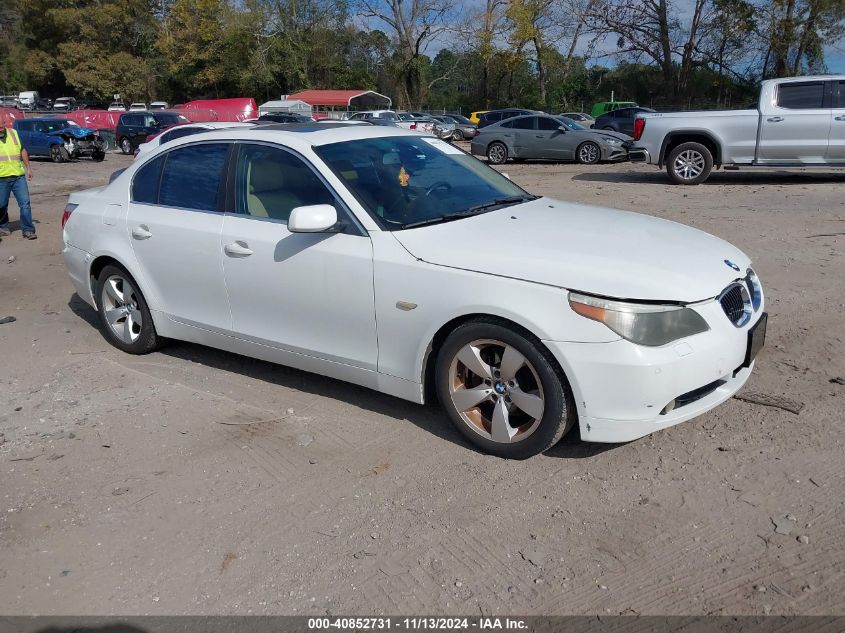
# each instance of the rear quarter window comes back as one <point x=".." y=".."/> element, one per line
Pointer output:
<point x="146" y="181"/>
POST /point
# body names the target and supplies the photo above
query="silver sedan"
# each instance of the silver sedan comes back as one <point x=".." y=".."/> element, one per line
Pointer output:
<point x="547" y="137"/>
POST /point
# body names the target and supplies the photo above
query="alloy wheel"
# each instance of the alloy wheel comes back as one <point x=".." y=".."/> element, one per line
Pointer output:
<point x="689" y="164"/>
<point x="496" y="391"/>
<point x="120" y="306"/>
<point x="497" y="154"/>
<point x="589" y="153"/>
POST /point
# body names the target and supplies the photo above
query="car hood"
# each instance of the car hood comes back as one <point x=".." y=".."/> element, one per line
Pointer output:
<point x="75" y="132"/>
<point x="591" y="249"/>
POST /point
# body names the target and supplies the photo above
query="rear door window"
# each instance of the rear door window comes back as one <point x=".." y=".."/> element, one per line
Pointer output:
<point x="193" y="177"/>
<point x="526" y="123"/>
<point x="146" y="181"/>
<point x="803" y="95"/>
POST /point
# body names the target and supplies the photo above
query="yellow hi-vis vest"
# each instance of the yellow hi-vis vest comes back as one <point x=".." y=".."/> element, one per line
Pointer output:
<point x="10" y="155"/>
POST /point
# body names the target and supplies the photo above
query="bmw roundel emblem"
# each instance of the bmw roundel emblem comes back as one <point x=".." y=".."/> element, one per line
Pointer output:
<point x="730" y="264"/>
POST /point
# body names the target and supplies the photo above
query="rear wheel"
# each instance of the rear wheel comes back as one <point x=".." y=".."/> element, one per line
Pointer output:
<point x="126" y="145"/>
<point x="457" y="135"/>
<point x="497" y="153"/>
<point x="59" y="154"/>
<point x="588" y="153"/>
<point x="124" y="314"/>
<point x="502" y="391"/>
<point x="608" y="127"/>
<point x="689" y="164"/>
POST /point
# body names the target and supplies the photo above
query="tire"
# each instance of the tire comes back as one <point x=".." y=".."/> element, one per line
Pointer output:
<point x="457" y="135"/>
<point x="609" y="128"/>
<point x="98" y="157"/>
<point x="59" y="154"/>
<point x="126" y="146"/>
<point x="588" y="153"/>
<point x="493" y="419"/>
<point x="497" y="153"/>
<point x="689" y="164"/>
<point x="130" y="329"/>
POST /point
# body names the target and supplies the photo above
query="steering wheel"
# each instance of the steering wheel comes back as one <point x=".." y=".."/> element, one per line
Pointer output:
<point x="440" y="184"/>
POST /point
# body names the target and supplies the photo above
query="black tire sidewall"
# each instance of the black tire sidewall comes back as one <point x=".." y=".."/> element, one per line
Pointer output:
<point x="122" y="148"/>
<point x="558" y="415"/>
<point x="149" y="340"/>
<point x="708" y="163"/>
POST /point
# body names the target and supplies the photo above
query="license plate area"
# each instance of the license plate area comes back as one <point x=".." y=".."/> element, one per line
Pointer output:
<point x="756" y="339"/>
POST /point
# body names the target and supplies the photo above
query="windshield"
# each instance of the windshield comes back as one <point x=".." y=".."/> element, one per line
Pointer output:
<point x="169" y="119"/>
<point x="414" y="180"/>
<point x="59" y="124"/>
<point x="572" y="125"/>
<point x="460" y="119"/>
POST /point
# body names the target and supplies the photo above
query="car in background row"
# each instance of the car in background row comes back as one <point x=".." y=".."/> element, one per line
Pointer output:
<point x="397" y="262"/>
<point x="547" y="137"/>
<point x="117" y="106"/>
<point x="159" y="105"/>
<point x="178" y="131"/>
<point x="475" y="117"/>
<point x="464" y="128"/>
<point x="580" y="117"/>
<point x="603" y="107"/>
<point x="137" y="107"/>
<point x="494" y="116"/>
<point x="133" y="128"/>
<point x="621" y="120"/>
<point x="60" y="139"/>
<point x="9" y="101"/>
<point x="65" y="104"/>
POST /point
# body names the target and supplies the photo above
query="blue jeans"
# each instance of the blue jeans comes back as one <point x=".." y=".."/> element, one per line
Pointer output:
<point x="15" y="185"/>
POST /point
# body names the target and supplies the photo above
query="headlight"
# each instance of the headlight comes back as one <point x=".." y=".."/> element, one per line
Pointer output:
<point x="611" y="141"/>
<point x="755" y="288"/>
<point x="641" y="323"/>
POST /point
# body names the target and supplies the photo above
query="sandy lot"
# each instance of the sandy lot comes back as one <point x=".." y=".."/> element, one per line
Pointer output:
<point x="195" y="481"/>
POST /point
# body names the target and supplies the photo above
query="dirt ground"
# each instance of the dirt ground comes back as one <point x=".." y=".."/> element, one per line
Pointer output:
<point x="193" y="481"/>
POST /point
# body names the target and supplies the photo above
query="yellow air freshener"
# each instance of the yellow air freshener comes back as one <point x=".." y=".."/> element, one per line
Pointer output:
<point x="404" y="177"/>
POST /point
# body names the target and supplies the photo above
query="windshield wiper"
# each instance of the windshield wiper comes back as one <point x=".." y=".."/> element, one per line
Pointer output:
<point x="474" y="210"/>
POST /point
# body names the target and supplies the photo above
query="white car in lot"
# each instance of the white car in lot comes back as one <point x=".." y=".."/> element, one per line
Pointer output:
<point x="186" y="129"/>
<point x="398" y="262"/>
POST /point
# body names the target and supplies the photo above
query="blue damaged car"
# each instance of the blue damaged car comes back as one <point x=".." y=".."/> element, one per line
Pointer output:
<point x="60" y="139"/>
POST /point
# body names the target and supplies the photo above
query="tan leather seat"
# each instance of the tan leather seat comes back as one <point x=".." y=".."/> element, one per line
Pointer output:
<point x="268" y="196"/>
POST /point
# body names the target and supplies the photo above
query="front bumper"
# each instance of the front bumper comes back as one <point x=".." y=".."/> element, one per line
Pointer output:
<point x="613" y="152"/>
<point x="623" y="391"/>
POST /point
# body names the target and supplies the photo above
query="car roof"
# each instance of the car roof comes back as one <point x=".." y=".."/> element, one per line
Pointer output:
<point x="300" y="136"/>
<point x="46" y="119"/>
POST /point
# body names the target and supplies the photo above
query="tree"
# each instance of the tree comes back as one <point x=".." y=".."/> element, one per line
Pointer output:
<point x="413" y="25"/>
<point x="796" y="32"/>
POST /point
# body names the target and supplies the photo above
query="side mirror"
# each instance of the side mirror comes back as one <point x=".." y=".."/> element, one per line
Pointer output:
<point x="562" y="128"/>
<point x="314" y="218"/>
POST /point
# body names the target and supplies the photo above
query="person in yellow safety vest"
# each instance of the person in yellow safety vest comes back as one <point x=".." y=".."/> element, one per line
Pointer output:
<point x="14" y="165"/>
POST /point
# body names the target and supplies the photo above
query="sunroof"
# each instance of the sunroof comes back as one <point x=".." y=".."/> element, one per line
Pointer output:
<point x="301" y="127"/>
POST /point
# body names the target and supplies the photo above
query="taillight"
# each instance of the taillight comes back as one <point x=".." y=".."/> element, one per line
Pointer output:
<point x="639" y="126"/>
<point x="66" y="213"/>
<point x="413" y="126"/>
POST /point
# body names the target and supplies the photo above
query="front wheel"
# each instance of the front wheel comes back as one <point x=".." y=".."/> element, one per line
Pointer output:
<point x="689" y="164"/>
<point x="497" y="153"/>
<point x="98" y="156"/>
<point x="126" y="145"/>
<point x="502" y="391"/>
<point x="457" y="135"/>
<point x="59" y="154"/>
<point x="124" y="315"/>
<point x="588" y="153"/>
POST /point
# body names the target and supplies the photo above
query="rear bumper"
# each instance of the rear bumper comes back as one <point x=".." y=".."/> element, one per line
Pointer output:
<point x="78" y="262"/>
<point x="639" y="155"/>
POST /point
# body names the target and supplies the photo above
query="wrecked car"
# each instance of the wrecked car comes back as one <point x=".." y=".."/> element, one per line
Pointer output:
<point x="60" y="139"/>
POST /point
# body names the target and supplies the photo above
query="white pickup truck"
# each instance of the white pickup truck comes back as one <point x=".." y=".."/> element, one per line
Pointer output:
<point x="798" y="122"/>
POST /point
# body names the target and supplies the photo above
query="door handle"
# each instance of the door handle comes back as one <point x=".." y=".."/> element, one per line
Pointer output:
<point x="141" y="232"/>
<point x="841" y="117"/>
<point x="775" y="119"/>
<point x="539" y="136"/>
<point x="237" y="249"/>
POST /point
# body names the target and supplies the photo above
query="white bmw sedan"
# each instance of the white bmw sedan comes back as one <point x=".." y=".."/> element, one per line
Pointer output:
<point x="400" y="263"/>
